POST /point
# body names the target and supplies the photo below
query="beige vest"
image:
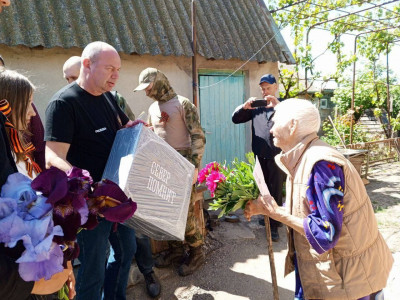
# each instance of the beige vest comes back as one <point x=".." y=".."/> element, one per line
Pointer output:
<point x="173" y="130"/>
<point x="360" y="262"/>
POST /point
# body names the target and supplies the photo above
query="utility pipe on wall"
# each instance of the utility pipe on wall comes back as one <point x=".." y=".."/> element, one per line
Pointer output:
<point x="194" y="64"/>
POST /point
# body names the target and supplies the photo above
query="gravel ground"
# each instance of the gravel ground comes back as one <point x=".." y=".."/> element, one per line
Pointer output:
<point x="237" y="265"/>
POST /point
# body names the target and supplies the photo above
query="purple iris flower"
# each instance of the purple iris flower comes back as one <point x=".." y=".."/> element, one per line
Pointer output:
<point x="70" y="224"/>
<point x="109" y="200"/>
<point x="7" y="207"/>
<point x="27" y="217"/>
<point x="42" y="257"/>
<point x="30" y="205"/>
<point x="18" y="187"/>
<point x="44" y="264"/>
<point x="47" y="223"/>
<point x="78" y="191"/>
<point x="39" y="209"/>
<point x="53" y="183"/>
<point x="76" y="172"/>
<point x="71" y="251"/>
<point x="70" y="208"/>
<point x="8" y="214"/>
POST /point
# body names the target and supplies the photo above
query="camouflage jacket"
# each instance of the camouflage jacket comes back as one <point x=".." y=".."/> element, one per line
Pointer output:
<point x="124" y="105"/>
<point x="177" y="122"/>
<point x="168" y="104"/>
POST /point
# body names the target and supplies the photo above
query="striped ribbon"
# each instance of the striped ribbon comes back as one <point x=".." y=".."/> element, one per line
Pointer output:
<point x="18" y="147"/>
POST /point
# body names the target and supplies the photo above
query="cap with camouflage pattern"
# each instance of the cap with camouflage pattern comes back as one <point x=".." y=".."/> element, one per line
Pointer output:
<point x="161" y="90"/>
<point x="146" y="77"/>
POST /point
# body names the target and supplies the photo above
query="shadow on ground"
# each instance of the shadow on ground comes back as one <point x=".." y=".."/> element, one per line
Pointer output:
<point x="237" y="267"/>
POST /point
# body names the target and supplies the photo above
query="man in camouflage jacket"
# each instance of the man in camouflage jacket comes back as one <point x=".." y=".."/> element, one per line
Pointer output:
<point x="176" y="120"/>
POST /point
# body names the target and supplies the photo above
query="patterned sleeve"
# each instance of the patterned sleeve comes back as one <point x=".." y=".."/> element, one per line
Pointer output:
<point x="325" y="197"/>
<point x="197" y="135"/>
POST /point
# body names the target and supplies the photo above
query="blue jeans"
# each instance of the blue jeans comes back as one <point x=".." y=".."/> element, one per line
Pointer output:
<point x="143" y="256"/>
<point x="94" y="272"/>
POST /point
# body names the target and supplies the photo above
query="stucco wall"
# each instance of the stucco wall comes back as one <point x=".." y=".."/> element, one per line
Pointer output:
<point x="44" y="68"/>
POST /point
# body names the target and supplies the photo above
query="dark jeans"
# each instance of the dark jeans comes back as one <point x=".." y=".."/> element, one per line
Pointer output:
<point x="94" y="274"/>
<point x="274" y="178"/>
<point x="143" y="256"/>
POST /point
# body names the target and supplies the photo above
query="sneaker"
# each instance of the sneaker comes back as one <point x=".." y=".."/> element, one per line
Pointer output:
<point x="153" y="286"/>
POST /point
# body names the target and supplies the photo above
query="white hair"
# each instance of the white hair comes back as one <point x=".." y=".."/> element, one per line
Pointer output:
<point x="93" y="50"/>
<point x="303" y="111"/>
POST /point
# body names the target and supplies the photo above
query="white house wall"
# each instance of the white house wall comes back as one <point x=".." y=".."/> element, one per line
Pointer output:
<point x="44" y="68"/>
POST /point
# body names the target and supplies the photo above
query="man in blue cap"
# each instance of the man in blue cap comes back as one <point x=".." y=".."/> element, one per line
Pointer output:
<point x="262" y="140"/>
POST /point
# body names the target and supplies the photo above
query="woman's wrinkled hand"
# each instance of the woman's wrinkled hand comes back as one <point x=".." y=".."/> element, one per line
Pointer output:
<point x="263" y="205"/>
<point x="269" y="204"/>
<point x="252" y="208"/>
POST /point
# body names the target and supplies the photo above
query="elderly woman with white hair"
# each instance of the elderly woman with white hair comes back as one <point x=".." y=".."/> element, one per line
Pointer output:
<point x="334" y="245"/>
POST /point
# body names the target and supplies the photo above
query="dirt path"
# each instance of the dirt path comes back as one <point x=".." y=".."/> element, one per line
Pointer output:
<point x="237" y="265"/>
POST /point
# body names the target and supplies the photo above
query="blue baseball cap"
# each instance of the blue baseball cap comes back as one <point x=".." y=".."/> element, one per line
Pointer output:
<point x="268" y="78"/>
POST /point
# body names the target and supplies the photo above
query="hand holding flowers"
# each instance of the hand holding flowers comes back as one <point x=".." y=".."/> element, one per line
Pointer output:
<point x="263" y="205"/>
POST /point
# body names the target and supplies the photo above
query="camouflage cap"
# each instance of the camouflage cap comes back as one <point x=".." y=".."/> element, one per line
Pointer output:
<point x="146" y="77"/>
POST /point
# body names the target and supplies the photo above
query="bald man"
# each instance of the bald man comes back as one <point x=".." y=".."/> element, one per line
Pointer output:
<point x="71" y="68"/>
<point x="143" y="256"/>
<point x="71" y="71"/>
<point x="81" y="123"/>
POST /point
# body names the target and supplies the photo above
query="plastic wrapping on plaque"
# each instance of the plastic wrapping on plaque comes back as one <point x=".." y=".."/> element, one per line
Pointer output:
<point x="156" y="177"/>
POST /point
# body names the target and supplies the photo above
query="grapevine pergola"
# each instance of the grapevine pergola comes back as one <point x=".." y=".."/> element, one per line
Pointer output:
<point x="350" y="19"/>
<point x="362" y="19"/>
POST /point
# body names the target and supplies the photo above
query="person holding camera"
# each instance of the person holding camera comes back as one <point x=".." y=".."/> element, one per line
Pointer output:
<point x="260" y="112"/>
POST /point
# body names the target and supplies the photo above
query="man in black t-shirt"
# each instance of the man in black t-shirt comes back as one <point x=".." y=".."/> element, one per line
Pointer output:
<point x="81" y="123"/>
<point x="143" y="256"/>
<point x="262" y="140"/>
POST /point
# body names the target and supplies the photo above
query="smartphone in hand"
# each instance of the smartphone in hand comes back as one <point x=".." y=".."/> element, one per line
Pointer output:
<point x="259" y="103"/>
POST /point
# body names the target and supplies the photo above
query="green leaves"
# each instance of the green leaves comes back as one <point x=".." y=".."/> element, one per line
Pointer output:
<point x="63" y="293"/>
<point x="342" y="125"/>
<point x="238" y="188"/>
<point x="370" y="91"/>
<point x="339" y="18"/>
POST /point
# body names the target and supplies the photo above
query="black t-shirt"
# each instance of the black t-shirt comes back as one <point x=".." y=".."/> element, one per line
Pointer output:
<point x="88" y="123"/>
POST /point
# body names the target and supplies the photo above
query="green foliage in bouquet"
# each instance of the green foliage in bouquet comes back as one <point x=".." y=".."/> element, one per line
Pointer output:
<point x="231" y="186"/>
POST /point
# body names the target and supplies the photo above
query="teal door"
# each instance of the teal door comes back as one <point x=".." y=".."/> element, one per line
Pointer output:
<point x="218" y="100"/>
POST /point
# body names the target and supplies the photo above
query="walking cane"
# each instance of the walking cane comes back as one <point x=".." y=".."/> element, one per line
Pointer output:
<point x="271" y="258"/>
<point x="262" y="186"/>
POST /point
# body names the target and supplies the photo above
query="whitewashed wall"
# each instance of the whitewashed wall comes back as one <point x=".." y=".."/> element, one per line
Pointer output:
<point x="44" y="68"/>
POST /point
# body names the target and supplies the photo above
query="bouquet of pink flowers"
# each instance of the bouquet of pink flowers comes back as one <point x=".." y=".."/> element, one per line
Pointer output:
<point x="46" y="214"/>
<point x="231" y="186"/>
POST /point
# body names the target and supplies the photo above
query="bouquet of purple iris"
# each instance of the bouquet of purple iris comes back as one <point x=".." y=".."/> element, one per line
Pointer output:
<point x="47" y="213"/>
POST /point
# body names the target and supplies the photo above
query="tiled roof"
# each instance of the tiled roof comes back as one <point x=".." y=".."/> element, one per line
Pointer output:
<point x="225" y="28"/>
